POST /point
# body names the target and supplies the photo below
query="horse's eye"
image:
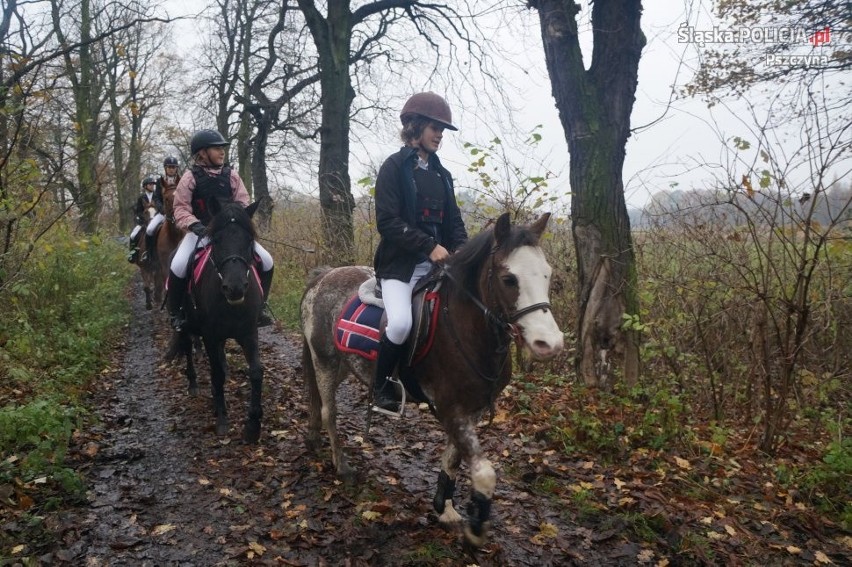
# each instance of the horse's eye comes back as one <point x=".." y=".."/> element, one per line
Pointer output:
<point x="510" y="281"/>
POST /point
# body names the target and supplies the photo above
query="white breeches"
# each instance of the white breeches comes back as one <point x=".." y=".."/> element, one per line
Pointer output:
<point x="134" y="232"/>
<point x="397" y="297"/>
<point x="154" y="223"/>
<point x="180" y="262"/>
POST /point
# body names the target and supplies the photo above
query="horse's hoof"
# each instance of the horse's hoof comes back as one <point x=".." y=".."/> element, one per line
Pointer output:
<point x="251" y="433"/>
<point x="346" y="474"/>
<point x="313" y="442"/>
<point x="193" y="391"/>
<point x="449" y="517"/>
<point x="221" y="429"/>
<point x="477" y="541"/>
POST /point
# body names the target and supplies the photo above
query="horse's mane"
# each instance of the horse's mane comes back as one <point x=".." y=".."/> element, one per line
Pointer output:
<point x="232" y="212"/>
<point x="466" y="263"/>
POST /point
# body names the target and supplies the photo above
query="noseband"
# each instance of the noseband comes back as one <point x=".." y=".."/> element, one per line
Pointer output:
<point x="503" y="321"/>
<point x="232" y="258"/>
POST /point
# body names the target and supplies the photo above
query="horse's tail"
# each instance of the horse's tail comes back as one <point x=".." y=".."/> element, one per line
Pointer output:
<point x="309" y="375"/>
<point x="317" y="273"/>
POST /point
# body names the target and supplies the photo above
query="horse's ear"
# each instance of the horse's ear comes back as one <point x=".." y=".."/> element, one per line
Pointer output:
<point x="252" y="208"/>
<point x="540" y="224"/>
<point x="502" y="228"/>
<point x="214" y="205"/>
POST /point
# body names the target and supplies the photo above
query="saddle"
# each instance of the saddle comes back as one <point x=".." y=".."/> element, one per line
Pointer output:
<point x="198" y="260"/>
<point x="360" y="324"/>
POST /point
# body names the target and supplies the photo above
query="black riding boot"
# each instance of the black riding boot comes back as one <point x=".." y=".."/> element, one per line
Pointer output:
<point x="177" y="289"/>
<point x="265" y="318"/>
<point x="383" y="391"/>
<point x="150" y="246"/>
<point x="134" y="251"/>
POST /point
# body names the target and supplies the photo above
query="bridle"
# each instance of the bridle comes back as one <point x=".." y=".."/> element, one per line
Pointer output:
<point x="502" y="325"/>
<point x="232" y="258"/>
<point x="507" y="321"/>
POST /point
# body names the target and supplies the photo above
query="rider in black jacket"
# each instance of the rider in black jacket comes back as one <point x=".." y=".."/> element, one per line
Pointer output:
<point x="420" y="225"/>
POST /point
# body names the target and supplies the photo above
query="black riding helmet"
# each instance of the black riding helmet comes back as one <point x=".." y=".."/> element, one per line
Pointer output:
<point x="149" y="180"/>
<point x="170" y="160"/>
<point x="206" y="138"/>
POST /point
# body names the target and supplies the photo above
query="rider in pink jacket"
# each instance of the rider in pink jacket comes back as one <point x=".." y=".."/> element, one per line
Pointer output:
<point x="210" y="177"/>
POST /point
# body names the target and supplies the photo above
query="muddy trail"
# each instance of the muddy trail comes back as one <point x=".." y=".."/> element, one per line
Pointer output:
<point x="165" y="490"/>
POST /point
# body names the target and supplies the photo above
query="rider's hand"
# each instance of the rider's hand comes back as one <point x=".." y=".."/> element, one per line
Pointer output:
<point x="438" y="254"/>
<point x="198" y="228"/>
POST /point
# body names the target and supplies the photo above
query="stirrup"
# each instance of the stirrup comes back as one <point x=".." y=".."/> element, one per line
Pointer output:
<point x="265" y="318"/>
<point x="177" y="322"/>
<point x="395" y="414"/>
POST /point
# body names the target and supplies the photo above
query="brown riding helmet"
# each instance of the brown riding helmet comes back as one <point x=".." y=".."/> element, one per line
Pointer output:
<point x="430" y="105"/>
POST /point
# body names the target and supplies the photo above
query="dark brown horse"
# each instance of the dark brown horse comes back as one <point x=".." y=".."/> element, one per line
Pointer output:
<point x="168" y="234"/>
<point x="152" y="281"/>
<point x="223" y="302"/>
<point x="495" y="290"/>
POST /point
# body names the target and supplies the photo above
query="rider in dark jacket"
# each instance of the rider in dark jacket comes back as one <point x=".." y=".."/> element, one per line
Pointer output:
<point x="148" y="199"/>
<point x="420" y="225"/>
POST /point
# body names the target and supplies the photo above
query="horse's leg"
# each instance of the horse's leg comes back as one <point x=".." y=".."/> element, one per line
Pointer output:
<point x="443" y="501"/>
<point x="185" y="345"/>
<point x="483" y="481"/>
<point x="328" y="378"/>
<point x="146" y="287"/>
<point x="216" y="356"/>
<point x="251" y="430"/>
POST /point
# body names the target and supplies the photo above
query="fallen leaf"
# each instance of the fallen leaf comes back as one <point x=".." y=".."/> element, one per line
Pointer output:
<point x="823" y="558"/>
<point x="619" y="484"/>
<point x="25" y="502"/>
<point x="645" y="556"/>
<point x="793" y="549"/>
<point x="548" y="530"/>
<point x="162" y="529"/>
<point x="203" y="481"/>
<point x="90" y="450"/>
<point x="731" y="530"/>
<point x="256" y="547"/>
<point x="17" y="549"/>
<point x="683" y="463"/>
<point x="370" y="515"/>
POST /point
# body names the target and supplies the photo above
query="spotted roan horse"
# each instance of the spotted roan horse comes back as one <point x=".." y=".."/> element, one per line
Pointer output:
<point x="495" y="290"/>
<point x="223" y="302"/>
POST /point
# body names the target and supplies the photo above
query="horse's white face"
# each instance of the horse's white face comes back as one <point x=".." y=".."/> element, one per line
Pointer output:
<point x="538" y="328"/>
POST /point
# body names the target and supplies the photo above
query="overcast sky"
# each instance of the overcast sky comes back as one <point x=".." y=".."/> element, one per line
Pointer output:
<point x="670" y="137"/>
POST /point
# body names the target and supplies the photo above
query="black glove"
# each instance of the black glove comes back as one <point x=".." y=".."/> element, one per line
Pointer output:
<point x="198" y="228"/>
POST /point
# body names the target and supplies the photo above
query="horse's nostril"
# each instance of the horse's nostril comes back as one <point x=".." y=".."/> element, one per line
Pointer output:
<point x="545" y="349"/>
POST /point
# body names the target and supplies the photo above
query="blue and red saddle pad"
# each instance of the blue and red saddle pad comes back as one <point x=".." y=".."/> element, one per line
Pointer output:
<point x="358" y="329"/>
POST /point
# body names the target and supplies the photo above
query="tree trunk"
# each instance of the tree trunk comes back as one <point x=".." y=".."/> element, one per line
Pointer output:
<point x="258" y="172"/>
<point x="332" y="38"/>
<point x="85" y="98"/>
<point x="594" y="109"/>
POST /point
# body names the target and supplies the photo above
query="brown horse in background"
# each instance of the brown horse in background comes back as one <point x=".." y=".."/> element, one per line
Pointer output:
<point x="168" y="233"/>
<point x="149" y="267"/>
